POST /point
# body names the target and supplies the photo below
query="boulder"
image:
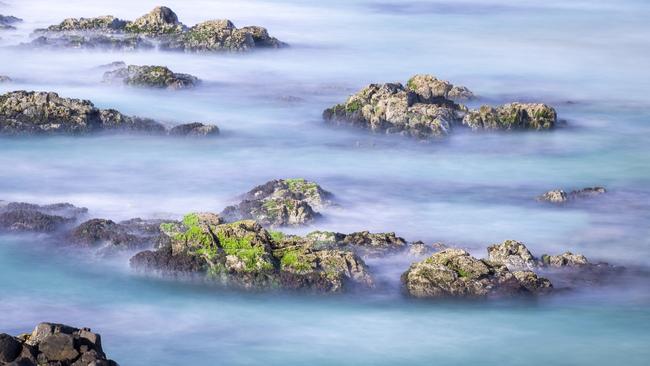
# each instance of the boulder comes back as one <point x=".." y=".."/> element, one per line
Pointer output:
<point x="26" y="217"/>
<point x="194" y="129"/>
<point x="244" y="255"/>
<point x="429" y="89"/>
<point x="560" y="196"/>
<point x="282" y="202"/>
<point x="364" y="243"/>
<point x="111" y="237"/>
<point x="454" y="273"/>
<point x="513" y="116"/>
<point x="107" y="24"/>
<point x="40" y="113"/>
<point x="7" y="22"/>
<point x="213" y="35"/>
<point x="512" y="254"/>
<point x="158" y="22"/>
<point x="566" y="259"/>
<point x="261" y="37"/>
<point x="150" y="77"/>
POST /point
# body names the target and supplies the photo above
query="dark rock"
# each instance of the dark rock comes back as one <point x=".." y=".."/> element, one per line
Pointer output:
<point x="283" y="202"/>
<point x="560" y="196"/>
<point x="194" y="129"/>
<point x="150" y="77"/>
<point x="26" y="217"/>
<point x="7" y="22"/>
<point x="10" y="348"/>
<point x="364" y="243"/>
<point x="111" y="237"/>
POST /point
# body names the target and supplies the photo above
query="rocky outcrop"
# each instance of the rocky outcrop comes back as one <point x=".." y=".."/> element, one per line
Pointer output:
<point x="513" y="254"/>
<point x="54" y="344"/>
<point x="194" y="129"/>
<point x="5" y="79"/>
<point x="566" y="259"/>
<point x="26" y="217"/>
<point x="150" y="77"/>
<point x="42" y="113"/>
<point x="282" y="202"/>
<point x="455" y="273"/>
<point x="159" y="28"/>
<point x="7" y="22"/>
<point x="427" y="108"/>
<point x="244" y="255"/>
<point x="364" y="243"/>
<point x="560" y="196"/>
<point x="110" y="237"/>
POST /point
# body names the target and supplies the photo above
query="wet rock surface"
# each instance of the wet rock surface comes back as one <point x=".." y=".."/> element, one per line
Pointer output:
<point x="560" y="196"/>
<point x="150" y="77"/>
<point x="427" y="108"/>
<point x="282" y="202"/>
<point x="160" y="28"/>
<point x="53" y="344"/>
<point x="27" y="217"/>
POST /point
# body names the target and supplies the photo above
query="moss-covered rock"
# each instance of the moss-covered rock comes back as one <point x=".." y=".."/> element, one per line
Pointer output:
<point x="513" y="116"/>
<point x="282" y="202"/>
<point x="513" y="254"/>
<point x="158" y="22"/>
<point x="364" y="243"/>
<point x="213" y="35"/>
<point x="560" y="196"/>
<point x="107" y="23"/>
<point x="150" y="77"/>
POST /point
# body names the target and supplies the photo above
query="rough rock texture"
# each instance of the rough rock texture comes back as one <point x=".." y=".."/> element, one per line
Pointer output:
<point x="26" y="217"/>
<point x="242" y="254"/>
<point x="566" y="259"/>
<point x="364" y="243"/>
<point x="194" y="129"/>
<point x="560" y="196"/>
<point x="150" y="77"/>
<point x="159" y="28"/>
<point x="513" y="116"/>
<point x="7" y="22"/>
<point x="454" y="273"/>
<point x="512" y="254"/>
<point x="39" y="113"/>
<point x="283" y="202"/>
<point x="426" y="108"/>
<point x="111" y="237"/>
<point x="54" y="345"/>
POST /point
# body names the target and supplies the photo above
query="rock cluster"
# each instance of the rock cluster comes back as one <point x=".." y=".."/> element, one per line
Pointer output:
<point x="159" y="28"/>
<point x="27" y="217"/>
<point x="515" y="255"/>
<point x="42" y="113"/>
<point x="560" y="196"/>
<point x="8" y="21"/>
<point x="150" y="77"/>
<point x="282" y="202"/>
<point x="54" y="345"/>
<point x="245" y="255"/>
<point x="427" y="108"/>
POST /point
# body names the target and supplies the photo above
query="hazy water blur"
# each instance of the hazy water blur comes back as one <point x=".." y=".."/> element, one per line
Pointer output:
<point x="587" y="58"/>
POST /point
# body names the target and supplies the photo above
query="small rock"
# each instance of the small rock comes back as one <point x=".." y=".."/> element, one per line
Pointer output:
<point x="513" y="116"/>
<point x="194" y="129"/>
<point x="151" y="77"/>
<point x="560" y="196"/>
<point x="512" y="254"/>
<point x="566" y="259"/>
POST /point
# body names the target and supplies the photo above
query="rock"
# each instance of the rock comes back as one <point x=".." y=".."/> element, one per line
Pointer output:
<point x="454" y="273"/>
<point x="532" y="282"/>
<point x="560" y="196"/>
<point x="282" y="202"/>
<point x="426" y="108"/>
<point x="111" y="237"/>
<point x="5" y="79"/>
<point x="160" y="21"/>
<point x="40" y="113"/>
<point x="194" y="129"/>
<point x="512" y="254"/>
<point x="26" y="217"/>
<point x="419" y="249"/>
<point x="363" y="243"/>
<point x="7" y="22"/>
<point x="566" y="259"/>
<point x="159" y="28"/>
<point x="54" y="344"/>
<point x="244" y="255"/>
<point x="113" y="65"/>
<point x="513" y="116"/>
<point x="150" y="77"/>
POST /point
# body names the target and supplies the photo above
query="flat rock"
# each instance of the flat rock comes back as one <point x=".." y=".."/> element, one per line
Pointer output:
<point x="150" y="77"/>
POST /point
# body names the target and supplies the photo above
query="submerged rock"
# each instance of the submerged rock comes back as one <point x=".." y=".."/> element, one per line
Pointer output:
<point x="150" y="77"/>
<point x="282" y="202"/>
<point x="26" y="217"/>
<point x="454" y="273"/>
<point x="7" y="22"/>
<point x="427" y="108"/>
<point x="364" y="243"/>
<point x="159" y="28"/>
<point x="113" y="65"/>
<point x="244" y="255"/>
<point x="111" y="236"/>
<point x="54" y="344"/>
<point x="5" y="79"/>
<point x="560" y="196"/>
<point x="194" y="129"/>
<point x="38" y="113"/>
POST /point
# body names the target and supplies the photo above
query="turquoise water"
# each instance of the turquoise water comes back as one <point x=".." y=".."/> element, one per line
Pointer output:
<point x="587" y="58"/>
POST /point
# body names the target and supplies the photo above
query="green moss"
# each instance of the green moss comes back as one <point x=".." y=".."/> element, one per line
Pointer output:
<point x="293" y="259"/>
<point x="546" y="259"/>
<point x="167" y="227"/>
<point x="352" y="106"/>
<point x="277" y="236"/>
<point x="411" y="84"/>
<point x="243" y="248"/>
<point x="190" y="220"/>
<point x="462" y="273"/>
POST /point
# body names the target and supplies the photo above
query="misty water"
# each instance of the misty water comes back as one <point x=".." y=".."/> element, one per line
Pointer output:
<point x="586" y="58"/>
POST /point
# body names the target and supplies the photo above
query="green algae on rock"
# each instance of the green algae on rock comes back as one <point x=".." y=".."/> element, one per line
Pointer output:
<point x="150" y="77"/>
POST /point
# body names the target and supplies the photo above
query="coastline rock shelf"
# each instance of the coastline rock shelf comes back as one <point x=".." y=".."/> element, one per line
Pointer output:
<point x="42" y="113"/>
<point x="159" y="29"/>
<point x="150" y="77"/>
<point x="428" y="108"/>
<point x="54" y="344"/>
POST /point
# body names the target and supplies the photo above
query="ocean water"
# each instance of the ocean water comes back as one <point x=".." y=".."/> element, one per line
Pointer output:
<point x="586" y="58"/>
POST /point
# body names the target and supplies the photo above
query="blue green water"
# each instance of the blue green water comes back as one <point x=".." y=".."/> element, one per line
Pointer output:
<point x="588" y="59"/>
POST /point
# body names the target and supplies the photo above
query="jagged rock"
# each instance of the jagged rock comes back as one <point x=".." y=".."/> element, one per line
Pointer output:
<point x="283" y="202"/>
<point x="160" y="21"/>
<point x="112" y="237"/>
<point x="159" y="28"/>
<point x="7" y="22"/>
<point x="26" y="217"/>
<point x="512" y="254"/>
<point x="194" y="129"/>
<point x="426" y="108"/>
<point x="5" y="79"/>
<point x="532" y="282"/>
<point x="242" y="254"/>
<point x="560" y="196"/>
<point x="513" y="116"/>
<point x="54" y="344"/>
<point x="454" y="273"/>
<point x="150" y="77"/>
<point x="38" y="113"/>
<point x="364" y="243"/>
